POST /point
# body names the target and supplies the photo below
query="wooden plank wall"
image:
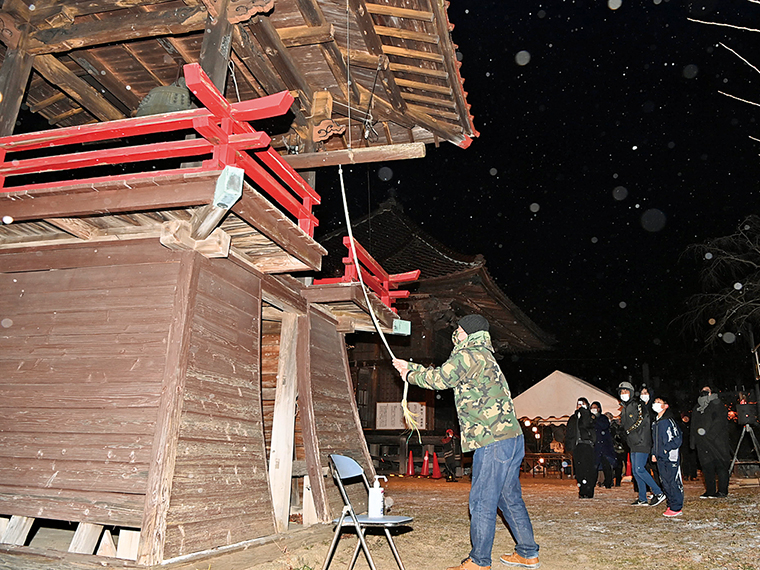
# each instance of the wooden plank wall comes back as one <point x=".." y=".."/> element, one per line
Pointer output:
<point x="220" y="493"/>
<point x="336" y="419"/>
<point x="270" y="355"/>
<point x="82" y="352"/>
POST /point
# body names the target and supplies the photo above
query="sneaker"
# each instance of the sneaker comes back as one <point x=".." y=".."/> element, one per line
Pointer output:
<point x="670" y="513"/>
<point x="657" y="499"/>
<point x="640" y="503"/>
<point x="515" y="559"/>
<point x="708" y="496"/>
<point x="468" y="564"/>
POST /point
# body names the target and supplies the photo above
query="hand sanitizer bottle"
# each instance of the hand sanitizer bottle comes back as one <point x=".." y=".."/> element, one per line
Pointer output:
<point x="376" y="503"/>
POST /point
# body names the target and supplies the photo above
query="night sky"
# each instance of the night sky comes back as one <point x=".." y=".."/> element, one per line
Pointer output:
<point x="599" y="162"/>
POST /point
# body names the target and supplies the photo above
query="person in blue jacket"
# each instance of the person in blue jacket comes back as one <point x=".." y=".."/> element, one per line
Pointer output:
<point x="666" y="441"/>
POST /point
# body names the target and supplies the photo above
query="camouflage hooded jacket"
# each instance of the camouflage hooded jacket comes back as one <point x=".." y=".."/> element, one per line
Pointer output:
<point x="481" y="393"/>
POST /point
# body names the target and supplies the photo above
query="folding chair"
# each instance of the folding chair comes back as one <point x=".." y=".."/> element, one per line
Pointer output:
<point x="343" y="469"/>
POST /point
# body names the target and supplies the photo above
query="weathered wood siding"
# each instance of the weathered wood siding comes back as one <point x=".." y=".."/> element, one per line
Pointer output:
<point x="220" y="493"/>
<point x="270" y="356"/>
<point x="83" y="339"/>
<point x="336" y="419"/>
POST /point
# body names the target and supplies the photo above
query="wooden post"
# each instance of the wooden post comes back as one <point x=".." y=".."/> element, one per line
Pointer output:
<point x="215" y="50"/>
<point x="164" y="452"/>
<point x="309" y="512"/>
<point x="308" y="421"/>
<point x="85" y="538"/>
<point x="17" y="530"/>
<point x="14" y="75"/>
<point x="129" y="541"/>
<point x="283" y="423"/>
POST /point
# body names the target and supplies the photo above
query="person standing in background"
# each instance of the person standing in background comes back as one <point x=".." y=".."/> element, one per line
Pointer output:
<point x="636" y="423"/>
<point x="579" y="440"/>
<point x="621" y="448"/>
<point x="604" y="452"/>
<point x="709" y="435"/>
<point x="666" y="440"/>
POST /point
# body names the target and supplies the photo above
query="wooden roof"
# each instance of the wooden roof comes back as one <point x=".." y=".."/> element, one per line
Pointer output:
<point x="96" y="60"/>
<point x="451" y="284"/>
<point x="374" y="84"/>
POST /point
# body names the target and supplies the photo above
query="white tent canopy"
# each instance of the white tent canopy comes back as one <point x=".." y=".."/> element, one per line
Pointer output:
<point x="553" y="399"/>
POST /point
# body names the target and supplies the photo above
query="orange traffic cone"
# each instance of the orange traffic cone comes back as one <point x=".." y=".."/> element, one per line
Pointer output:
<point x="436" y="468"/>
<point x="425" y="465"/>
<point x="410" y="465"/>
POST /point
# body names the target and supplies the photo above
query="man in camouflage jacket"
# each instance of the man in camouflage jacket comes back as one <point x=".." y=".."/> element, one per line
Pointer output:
<point x="489" y="427"/>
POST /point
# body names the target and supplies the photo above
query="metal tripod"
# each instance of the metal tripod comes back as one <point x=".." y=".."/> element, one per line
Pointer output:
<point x="747" y="429"/>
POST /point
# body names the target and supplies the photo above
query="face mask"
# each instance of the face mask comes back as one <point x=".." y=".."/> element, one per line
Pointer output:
<point x="645" y="398"/>
<point x="625" y="397"/>
<point x="595" y="411"/>
<point x="657" y="407"/>
<point x="704" y="393"/>
<point x="582" y="405"/>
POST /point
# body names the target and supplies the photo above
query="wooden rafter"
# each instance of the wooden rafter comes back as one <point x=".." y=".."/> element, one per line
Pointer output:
<point x="102" y="72"/>
<point x="117" y="29"/>
<point x="271" y="44"/>
<point x="413" y="54"/>
<point x="375" y="48"/>
<point x="79" y="90"/>
<point x="313" y="16"/>
<point x="306" y="35"/>
<point x="448" y="103"/>
<point x="396" y="12"/>
<point x="452" y="65"/>
<point x="367" y="61"/>
<point x="410" y="35"/>
<point x="421" y="86"/>
<point x="356" y="155"/>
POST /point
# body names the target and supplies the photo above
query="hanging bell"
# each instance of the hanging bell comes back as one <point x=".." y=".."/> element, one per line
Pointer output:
<point x="165" y="99"/>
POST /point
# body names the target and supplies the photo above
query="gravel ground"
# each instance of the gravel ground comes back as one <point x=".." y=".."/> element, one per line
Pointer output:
<point x="603" y="533"/>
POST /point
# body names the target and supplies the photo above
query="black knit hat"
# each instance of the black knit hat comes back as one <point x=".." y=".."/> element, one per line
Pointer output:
<point x="473" y="323"/>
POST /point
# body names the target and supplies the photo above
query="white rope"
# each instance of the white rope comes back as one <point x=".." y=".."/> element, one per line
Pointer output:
<point x="356" y="263"/>
<point x="408" y="415"/>
<point x="234" y="79"/>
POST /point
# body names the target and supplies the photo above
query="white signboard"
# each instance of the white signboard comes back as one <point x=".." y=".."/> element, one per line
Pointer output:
<point x="390" y="415"/>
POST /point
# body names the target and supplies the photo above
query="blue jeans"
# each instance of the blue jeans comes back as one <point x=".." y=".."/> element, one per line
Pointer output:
<point x="644" y="479"/>
<point x="496" y="484"/>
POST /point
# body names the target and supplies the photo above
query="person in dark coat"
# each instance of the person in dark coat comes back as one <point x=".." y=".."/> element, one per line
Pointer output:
<point x="452" y="455"/>
<point x="636" y="423"/>
<point x="604" y="452"/>
<point x="688" y="455"/>
<point x="579" y="440"/>
<point x="666" y="441"/>
<point x="709" y="436"/>
<point x="621" y="448"/>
